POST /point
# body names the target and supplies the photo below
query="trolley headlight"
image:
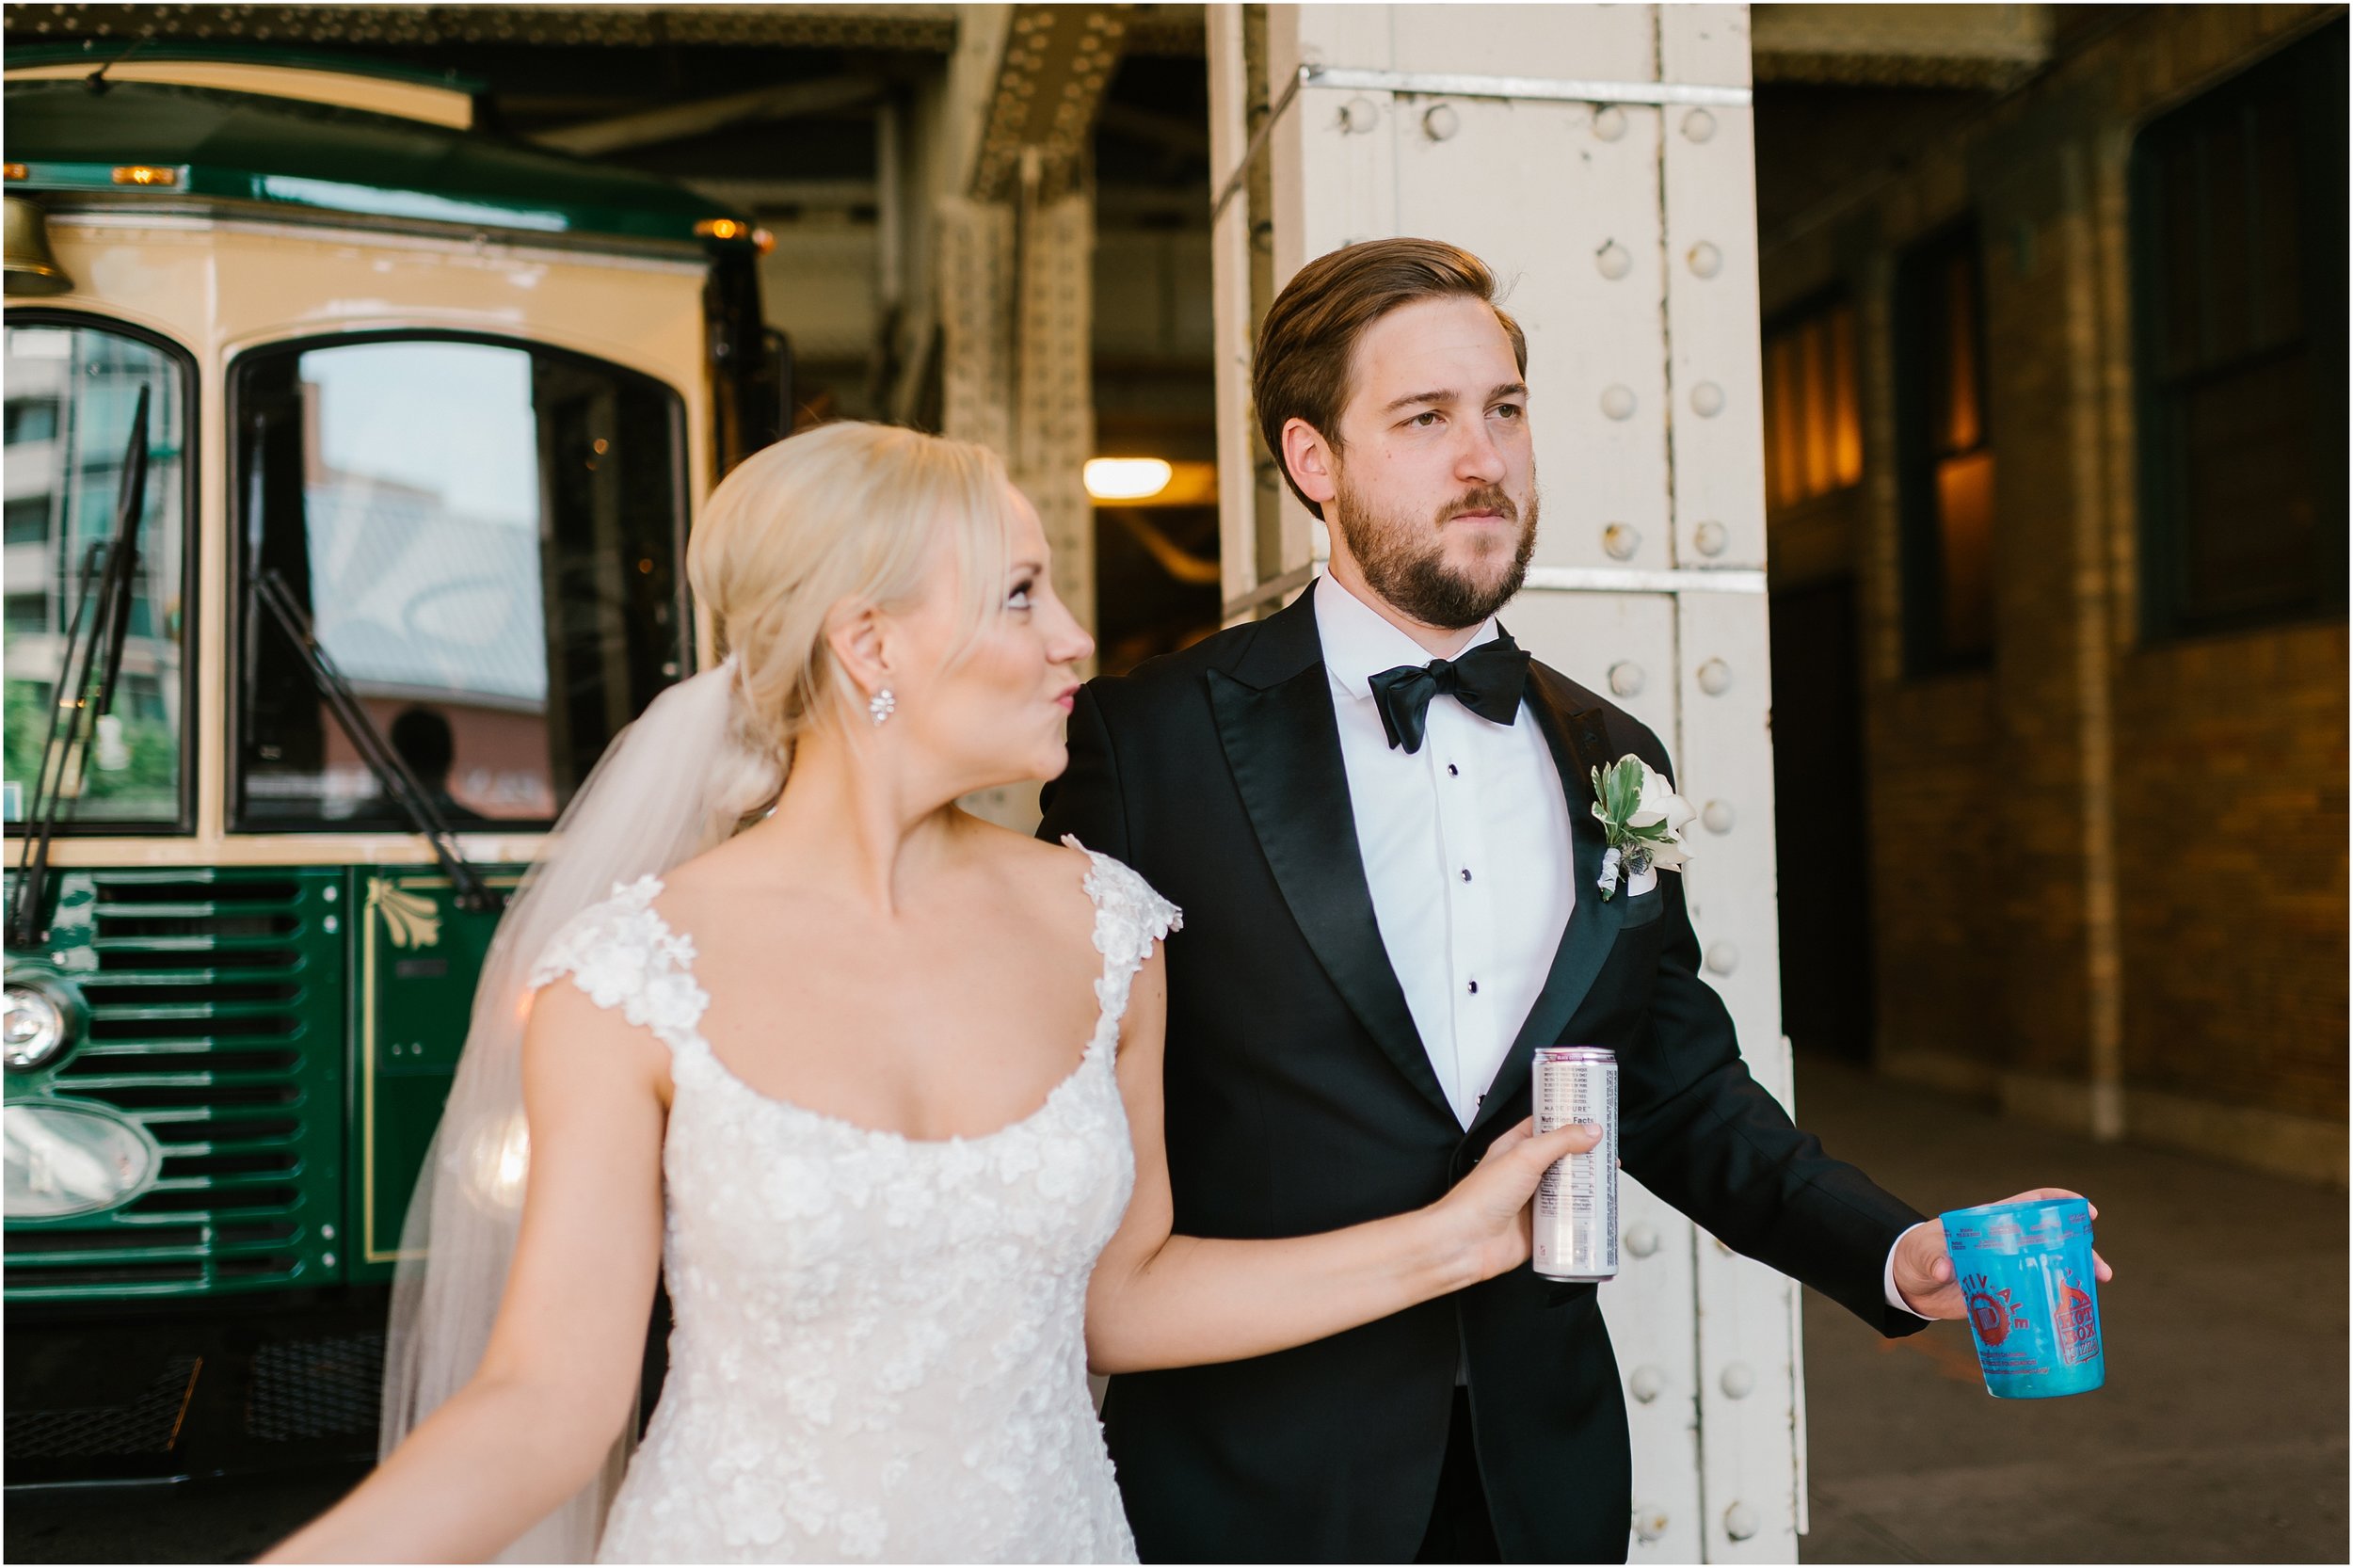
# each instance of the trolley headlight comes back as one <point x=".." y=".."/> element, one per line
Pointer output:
<point x="34" y="1028"/>
<point x="73" y="1157"/>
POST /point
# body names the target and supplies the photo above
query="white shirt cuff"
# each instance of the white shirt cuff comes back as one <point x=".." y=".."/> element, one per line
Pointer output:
<point x="1887" y="1276"/>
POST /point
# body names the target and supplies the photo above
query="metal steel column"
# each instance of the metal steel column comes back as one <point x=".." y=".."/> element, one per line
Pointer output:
<point x="1016" y="254"/>
<point x="1600" y="158"/>
<point x="1016" y="247"/>
<point x="1054" y="387"/>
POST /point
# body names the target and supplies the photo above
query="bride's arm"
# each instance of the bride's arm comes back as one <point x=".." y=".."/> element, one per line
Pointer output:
<point x="1157" y="1300"/>
<point x="559" y="1376"/>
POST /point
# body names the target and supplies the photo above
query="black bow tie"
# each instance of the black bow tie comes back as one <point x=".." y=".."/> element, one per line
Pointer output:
<point x="1487" y="681"/>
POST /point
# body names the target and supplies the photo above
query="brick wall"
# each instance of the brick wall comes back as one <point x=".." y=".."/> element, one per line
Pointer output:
<point x="2108" y="879"/>
<point x="2230" y="825"/>
<point x="1934" y="899"/>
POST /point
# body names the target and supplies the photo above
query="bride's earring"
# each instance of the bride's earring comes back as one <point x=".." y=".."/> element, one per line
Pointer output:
<point x="882" y="705"/>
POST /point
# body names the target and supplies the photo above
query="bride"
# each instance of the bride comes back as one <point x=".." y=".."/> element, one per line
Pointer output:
<point x="875" y="1084"/>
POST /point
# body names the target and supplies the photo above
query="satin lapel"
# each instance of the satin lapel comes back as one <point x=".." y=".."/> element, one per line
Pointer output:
<point x="1284" y="747"/>
<point x="1572" y="735"/>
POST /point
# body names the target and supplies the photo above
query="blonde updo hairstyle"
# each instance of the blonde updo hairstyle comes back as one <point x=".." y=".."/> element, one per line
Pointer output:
<point x="840" y="519"/>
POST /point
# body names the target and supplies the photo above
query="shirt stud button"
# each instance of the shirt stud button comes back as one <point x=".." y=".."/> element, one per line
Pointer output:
<point x="1452" y="772"/>
<point x="1474" y="988"/>
<point x="1466" y="874"/>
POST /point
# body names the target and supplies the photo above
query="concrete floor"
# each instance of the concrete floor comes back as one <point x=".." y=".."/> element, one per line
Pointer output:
<point x="2220" y="1436"/>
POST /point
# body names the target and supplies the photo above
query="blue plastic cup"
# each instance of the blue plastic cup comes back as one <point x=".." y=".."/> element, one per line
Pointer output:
<point x="2034" y="1310"/>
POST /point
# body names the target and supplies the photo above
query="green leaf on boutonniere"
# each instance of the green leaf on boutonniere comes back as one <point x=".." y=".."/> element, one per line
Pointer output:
<point x="1625" y="789"/>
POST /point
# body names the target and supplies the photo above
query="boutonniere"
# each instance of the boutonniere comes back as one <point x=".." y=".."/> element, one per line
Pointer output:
<point x="1642" y="820"/>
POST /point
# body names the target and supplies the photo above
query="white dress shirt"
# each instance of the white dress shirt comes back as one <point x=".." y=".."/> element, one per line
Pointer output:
<point x="1465" y="845"/>
<point x="1467" y="853"/>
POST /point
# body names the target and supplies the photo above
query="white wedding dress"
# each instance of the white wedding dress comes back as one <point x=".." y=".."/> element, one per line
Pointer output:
<point x="879" y="1351"/>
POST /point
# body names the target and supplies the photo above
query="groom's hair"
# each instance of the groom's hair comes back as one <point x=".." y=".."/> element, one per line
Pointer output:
<point x="1308" y="342"/>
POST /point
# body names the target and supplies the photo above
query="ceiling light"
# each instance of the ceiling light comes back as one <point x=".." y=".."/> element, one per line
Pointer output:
<point x="1126" y="478"/>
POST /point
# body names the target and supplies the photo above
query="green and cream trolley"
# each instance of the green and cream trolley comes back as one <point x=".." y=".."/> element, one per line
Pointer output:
<point x="350" y="456"/>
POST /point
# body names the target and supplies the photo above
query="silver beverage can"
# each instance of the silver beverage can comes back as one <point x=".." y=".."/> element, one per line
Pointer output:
<point x="1576" y="1202"/>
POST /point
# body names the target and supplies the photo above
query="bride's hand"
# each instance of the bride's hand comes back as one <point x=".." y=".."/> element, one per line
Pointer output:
<point x="1486" y="1214"/>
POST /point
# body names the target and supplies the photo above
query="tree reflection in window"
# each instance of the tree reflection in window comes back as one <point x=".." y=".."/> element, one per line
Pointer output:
<point x="72" y="385"/>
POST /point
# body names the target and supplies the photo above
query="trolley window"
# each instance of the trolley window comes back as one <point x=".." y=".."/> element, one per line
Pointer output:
<point x="73" y="384"/>
<point x="486" y="537"/>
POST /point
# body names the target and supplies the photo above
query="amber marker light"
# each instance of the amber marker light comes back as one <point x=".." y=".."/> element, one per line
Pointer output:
<point x="18" y="171"/>
<point x="722" y="229"/>
<point x="145" y="175"/>
<point x="1126" y="478"/>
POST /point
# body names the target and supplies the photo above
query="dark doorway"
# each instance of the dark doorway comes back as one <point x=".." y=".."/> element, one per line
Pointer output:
<point x="1821" y="822"/>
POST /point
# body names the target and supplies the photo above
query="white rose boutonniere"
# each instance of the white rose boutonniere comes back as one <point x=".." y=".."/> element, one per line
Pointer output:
<point x="1642" y="819"/>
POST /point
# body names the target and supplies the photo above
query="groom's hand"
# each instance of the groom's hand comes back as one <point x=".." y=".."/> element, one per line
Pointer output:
<point x="1924" y="1269"/>
<point x="1488" y="1209"/>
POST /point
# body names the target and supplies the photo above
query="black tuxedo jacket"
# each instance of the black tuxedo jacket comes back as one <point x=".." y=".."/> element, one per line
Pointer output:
<point x="1300" y="1098"/>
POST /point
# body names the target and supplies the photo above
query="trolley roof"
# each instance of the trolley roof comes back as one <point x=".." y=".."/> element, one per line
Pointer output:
<point x="315" y="158"/>
<point x="357" y="82"/>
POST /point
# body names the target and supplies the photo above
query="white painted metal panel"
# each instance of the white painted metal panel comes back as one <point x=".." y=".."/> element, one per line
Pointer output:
<point x="1648" y="1311"/>
<point x="1334" y="35"/>
<point x="1229" y="283"/>
<point x="1587" y="636"/>
<point x="1751" y="1473"/>
<point x="1726" y="760"/>
<point x="1606" y="43"/>
<point x="1704" y="45"/>
<point x="1348" y="139"/>
<point x="1565" y="208"/>
<point x="1709" y="158"/>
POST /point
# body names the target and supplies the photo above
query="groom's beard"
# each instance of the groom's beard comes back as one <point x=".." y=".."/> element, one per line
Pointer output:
<point x="1406" y="564"/>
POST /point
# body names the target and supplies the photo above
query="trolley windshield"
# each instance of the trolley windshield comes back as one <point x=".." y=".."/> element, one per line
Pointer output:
<point x="485" y="537"/>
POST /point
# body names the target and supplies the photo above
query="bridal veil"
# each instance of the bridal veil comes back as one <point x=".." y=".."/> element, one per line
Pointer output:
<point x="676" y="782"/>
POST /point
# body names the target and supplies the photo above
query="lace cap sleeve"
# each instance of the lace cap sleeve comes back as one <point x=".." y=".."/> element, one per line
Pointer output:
<point x="1130" y="917"/>
<point x="621" y="953"/>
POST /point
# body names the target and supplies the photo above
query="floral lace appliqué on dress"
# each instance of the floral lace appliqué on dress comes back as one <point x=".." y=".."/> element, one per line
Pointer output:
<point x="880" y="1342"/>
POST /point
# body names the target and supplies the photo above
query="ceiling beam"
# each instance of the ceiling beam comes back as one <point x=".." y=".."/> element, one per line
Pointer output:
<point x="1923" y="45"/>
<point x="1187" y="137"/>
<point x="1028" y="81"/>
<point x="680" y="122"/>
<point x="928" y="28"/>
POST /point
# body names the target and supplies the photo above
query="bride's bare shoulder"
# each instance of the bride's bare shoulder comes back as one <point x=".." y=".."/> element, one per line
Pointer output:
<point x="1049" y="879"/>
<point x="1021" y="852"/>
<point x="719" y="875"/>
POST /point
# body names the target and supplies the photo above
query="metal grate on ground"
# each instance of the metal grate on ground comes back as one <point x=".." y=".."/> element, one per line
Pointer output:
<point x="149" y="1424"/>
<point x="316" y="1387"/>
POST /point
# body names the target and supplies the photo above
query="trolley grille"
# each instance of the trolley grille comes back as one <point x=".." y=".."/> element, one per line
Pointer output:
<point x="215" y="1020"/>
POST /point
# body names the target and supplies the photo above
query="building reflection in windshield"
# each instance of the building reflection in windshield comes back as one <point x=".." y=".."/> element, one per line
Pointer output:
<point x="434" y="503"/>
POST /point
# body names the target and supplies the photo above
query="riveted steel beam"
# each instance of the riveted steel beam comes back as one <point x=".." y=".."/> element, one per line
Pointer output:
<point x="1440" y="84"/>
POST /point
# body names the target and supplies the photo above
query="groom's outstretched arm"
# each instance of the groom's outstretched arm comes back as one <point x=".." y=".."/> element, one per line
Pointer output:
<point x="1085" y="801"/>
<point x="1698" y="1130"/>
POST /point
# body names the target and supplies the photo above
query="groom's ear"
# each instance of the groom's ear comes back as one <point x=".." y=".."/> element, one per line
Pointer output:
<point x="1308" y="456"/>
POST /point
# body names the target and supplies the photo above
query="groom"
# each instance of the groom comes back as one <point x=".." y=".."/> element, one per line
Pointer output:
<point x="1374" y="809"/>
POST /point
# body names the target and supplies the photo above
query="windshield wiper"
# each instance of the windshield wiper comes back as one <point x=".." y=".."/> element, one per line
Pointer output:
<point x="110" y="573"/>
<point x="268" y="592"/>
